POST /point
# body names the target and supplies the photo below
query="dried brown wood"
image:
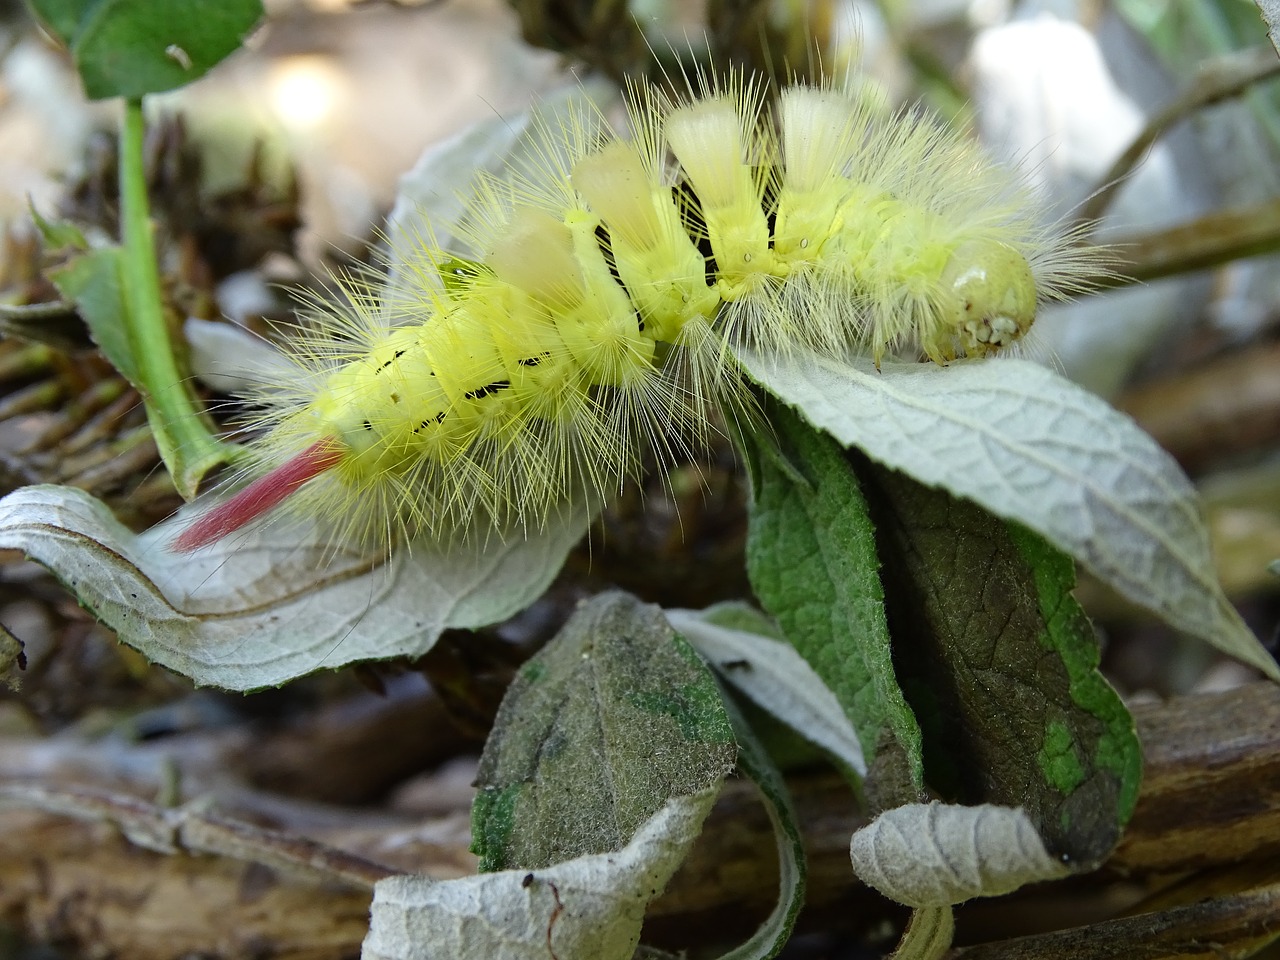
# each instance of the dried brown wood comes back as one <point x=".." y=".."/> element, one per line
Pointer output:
<point x="1211" y="797"/>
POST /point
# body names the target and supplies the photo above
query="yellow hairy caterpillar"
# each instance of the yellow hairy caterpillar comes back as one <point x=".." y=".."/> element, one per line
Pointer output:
<point x="614" y="280"/>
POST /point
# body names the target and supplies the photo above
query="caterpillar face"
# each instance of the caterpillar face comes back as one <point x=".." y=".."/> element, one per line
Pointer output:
<point x="612" y="287"/>
<point x="990" y="296"/>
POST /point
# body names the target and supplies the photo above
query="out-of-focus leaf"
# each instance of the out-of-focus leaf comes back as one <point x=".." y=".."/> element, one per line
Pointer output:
<point x="127" y="48"/>
<point x="609" y="721"/>
<point x="58" y="234"/>
<point x="431" y="201"/>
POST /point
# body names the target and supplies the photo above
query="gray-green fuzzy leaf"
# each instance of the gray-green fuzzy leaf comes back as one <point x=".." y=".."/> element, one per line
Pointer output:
<point x="1031" y="446"/>
<point x="615" y="716"/>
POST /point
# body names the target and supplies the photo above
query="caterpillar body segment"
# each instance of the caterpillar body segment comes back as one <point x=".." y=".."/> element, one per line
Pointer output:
<point x="612" y="280"/>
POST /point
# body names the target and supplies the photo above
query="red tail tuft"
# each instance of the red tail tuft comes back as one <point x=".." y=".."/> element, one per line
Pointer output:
<point x="260" y="497"/>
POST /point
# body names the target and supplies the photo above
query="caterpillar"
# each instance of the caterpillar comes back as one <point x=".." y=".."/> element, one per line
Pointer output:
<point x="614" y="278"/>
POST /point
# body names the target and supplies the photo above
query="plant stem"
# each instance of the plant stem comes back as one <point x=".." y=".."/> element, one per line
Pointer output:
<point x="182" y="434"/>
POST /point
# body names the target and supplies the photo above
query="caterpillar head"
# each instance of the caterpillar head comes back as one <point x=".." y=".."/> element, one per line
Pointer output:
<point x="989" y="300"/>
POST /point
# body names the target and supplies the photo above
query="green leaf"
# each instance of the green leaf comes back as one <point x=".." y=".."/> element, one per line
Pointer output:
<point x="1071" y="636"/>
<point x="754" y="762"/>
<point x="60" y="17"/>
<point x="58" y="234"/>
<point x="92" y="282"/>
<point x="279" y="601"/>
<point x="1030" y="446"/>
<point x="613" y="718"/>
<point x="1000" y="665"/>
<point x="812" y="561"/>
<point x="127" y="48"/>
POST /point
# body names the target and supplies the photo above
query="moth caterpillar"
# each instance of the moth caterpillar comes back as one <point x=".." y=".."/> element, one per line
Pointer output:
<point x="615" y="277"/>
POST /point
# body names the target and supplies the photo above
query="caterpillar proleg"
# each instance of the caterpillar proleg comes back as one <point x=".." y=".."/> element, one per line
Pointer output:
<point x="614" y="280"/>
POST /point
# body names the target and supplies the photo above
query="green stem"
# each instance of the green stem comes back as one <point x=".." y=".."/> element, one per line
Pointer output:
<point x="182" y="434"/>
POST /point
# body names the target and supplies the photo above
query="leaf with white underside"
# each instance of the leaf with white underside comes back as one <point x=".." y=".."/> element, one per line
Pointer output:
<point x="777" y="678"/>
<point x="592" y="906"/>
<point x="230" y="359"/>
<point x="1029" y="445"/>
<point x="932" y="854"/>
<point x="263" y="607"/>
